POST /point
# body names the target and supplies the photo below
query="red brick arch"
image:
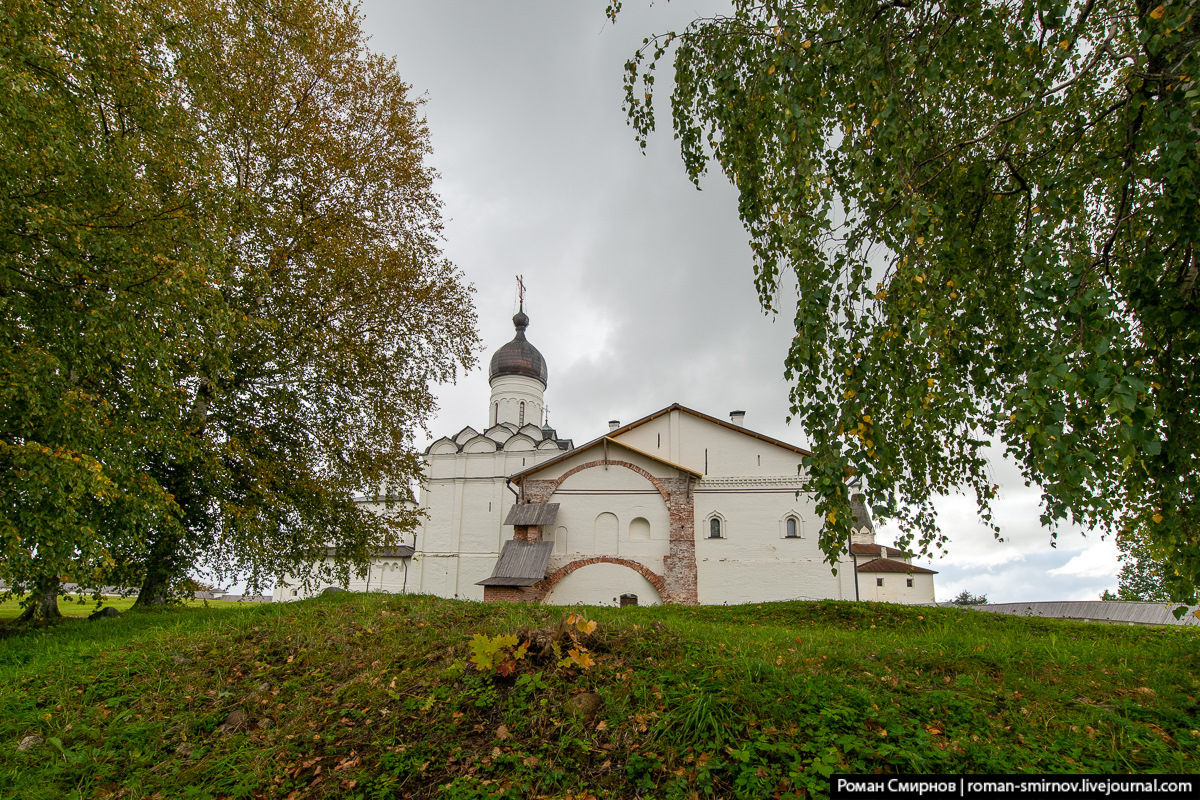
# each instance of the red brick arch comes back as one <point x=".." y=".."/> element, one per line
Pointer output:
<point x="544" y="586"/>
<point x="657" y="484"/>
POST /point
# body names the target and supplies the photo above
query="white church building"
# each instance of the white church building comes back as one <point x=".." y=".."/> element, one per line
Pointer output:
<point x="676" y="507"/>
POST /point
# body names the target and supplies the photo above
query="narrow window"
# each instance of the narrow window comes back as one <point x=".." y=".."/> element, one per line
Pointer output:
<point x="909" y="582"/>
<point x="522" y="413"/>
<point x="496" y="414"/>
<point x="792" y="533"/>
<point x="714" y="528"/>
<point x="879" y="581"/>
<point x="660" y="440"/>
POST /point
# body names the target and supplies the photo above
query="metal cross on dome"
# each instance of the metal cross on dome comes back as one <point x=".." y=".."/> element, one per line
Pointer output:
<point x="521" y="290"/>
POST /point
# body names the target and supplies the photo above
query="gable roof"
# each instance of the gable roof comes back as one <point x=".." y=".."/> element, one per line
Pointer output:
<point x="520" y="564"/>
<point x="532" y="514"/>
<point x="673" y="407"/>
<point x="860" y="549"/>
<point x="603" y="440"/>
<point x="887" y="565"/>
<point x="723" y="423"/>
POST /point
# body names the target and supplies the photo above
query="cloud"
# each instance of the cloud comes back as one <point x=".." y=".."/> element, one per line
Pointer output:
<point x="1095" y="562"/>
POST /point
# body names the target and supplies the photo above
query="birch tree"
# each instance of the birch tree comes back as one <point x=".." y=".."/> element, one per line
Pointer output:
<point x="991" y="210"/>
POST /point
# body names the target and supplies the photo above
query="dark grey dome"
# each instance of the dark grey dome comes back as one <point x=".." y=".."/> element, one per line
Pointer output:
<point x="519" y="357"/>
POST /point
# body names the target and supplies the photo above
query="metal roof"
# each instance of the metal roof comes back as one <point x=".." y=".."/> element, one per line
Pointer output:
<point x="876" y="550"/>
<point x="519" y="357"/>
<point x="532" y="514"/>
<point x="606" y="440"/>
<point x="887" y="565"/>
<point x="862" y="518"/>
<point x="673" y="407"/>
<point x="706" y="417"/>
<point x="520" y="564"/>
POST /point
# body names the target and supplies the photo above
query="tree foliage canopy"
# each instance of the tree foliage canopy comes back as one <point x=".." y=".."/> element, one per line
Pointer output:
<point x="992" y="211"/>
<point x="1142" y="575"/>
<point x="221" y="287"/>
<point x="106" y="273"/>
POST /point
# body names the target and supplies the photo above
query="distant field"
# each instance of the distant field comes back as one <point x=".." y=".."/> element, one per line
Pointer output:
<point x="366" y="697"/>
<point x="81" y="607"/>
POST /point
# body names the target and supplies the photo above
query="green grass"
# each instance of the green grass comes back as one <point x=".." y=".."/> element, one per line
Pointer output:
<point x="367" y="697"/>
<point x="83" y="605"/>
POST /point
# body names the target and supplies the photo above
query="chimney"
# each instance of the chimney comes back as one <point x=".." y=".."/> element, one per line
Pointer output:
<point x="613" y="424"/>
<point x="738" y="418"/>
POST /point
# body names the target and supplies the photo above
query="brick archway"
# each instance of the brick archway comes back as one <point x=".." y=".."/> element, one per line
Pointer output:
<point x="657" y="483"/>
<point x="544" y="586"/>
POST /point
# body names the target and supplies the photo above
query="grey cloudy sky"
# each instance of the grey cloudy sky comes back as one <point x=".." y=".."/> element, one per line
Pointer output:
<point x="640" y="287"/>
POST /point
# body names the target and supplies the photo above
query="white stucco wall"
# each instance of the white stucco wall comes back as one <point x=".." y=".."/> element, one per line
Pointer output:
<point x="508" y="392"/>
<point x="895" y="587"/>
<point x="755" y="561"/>
<point x="602" y="585"/>
<point x="711" y="449"/>
<point x="597" y="507"/>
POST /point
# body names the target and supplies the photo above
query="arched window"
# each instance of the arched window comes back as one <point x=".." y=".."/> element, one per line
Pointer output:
<point x="715" y="529"/>
<point x="522" y="413"/>
<point x="792" y="530"/>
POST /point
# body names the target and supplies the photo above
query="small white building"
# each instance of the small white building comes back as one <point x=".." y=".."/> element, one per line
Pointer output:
<point x="676" y="507"/>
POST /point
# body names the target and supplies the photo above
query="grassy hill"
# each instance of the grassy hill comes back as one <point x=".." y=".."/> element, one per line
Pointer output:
<point x="370" y="697"/>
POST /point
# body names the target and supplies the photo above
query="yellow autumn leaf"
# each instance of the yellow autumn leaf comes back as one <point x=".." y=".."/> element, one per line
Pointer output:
<point x="587" y="626"/>
<point x="1158" y="12"/>
<point x="1158" y="518"/>
<point x="581" y="657"/>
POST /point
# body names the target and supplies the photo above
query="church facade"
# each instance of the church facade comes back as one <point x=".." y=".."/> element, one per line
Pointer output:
<point x="676" y="507"/>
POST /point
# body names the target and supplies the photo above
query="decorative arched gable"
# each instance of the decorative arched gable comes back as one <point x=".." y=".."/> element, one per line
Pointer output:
<point x="555" y="483"/>
<point x="442" y="446"/>
<point x="465" y="435"/>
<point x="519" y="442"/>
<point x="480" y="444"/>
